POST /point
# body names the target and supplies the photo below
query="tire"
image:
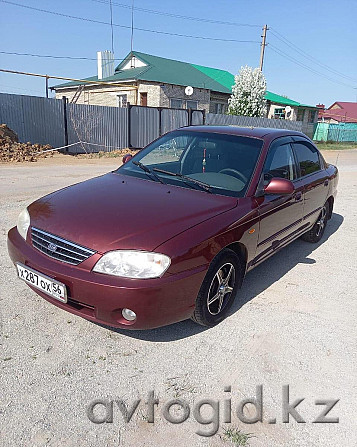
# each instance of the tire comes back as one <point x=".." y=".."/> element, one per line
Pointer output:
<point x="219" y="288"/>
<point x="315" y="234"/>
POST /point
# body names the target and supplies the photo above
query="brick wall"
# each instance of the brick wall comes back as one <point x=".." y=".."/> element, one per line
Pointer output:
<point x="153" y="93"/>
<point x="99" y="95"/>
<point x="219" y="102"/>
<point x="158" y="95"/>
<point x="202" y="96"/>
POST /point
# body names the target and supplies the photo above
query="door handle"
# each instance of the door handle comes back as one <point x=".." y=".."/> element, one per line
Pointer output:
<point x="298" y="196"/>
<point x="326" y="183"/>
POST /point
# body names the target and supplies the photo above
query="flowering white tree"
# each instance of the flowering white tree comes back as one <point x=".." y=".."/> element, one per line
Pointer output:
<point x="248" y="92"/>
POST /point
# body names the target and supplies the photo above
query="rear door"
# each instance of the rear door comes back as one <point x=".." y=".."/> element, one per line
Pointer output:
<point x="315" y="179"/>
<point x="280" y="215"/>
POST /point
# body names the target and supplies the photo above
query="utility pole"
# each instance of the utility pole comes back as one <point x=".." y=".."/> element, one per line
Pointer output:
<point x="46" y="86"/>
<point x="111" y="24"/>
<point x="132" y="26"/>
<point x="262" y="46"/>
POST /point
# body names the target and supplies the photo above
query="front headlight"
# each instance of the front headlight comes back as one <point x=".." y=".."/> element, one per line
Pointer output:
<point x="23" y="223"/>
<point x="133" y="264"/>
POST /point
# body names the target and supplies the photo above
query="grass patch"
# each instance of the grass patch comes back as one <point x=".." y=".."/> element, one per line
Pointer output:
<point x="237" y="437"/>
<point x="334" y="146"/>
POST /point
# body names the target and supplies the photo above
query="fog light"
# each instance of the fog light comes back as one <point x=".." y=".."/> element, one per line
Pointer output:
<point x="128" y="314"/>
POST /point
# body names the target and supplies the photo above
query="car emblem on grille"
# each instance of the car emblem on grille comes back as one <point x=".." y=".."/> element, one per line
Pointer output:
<point x="52" y="247"/>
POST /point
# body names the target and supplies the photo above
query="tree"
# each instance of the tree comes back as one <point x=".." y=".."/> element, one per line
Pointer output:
<point x="248" y="92"/>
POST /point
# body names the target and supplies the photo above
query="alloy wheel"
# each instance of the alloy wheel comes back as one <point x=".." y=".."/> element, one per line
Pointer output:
<point x="221" y="288"/>
<point x="321" y="222"/>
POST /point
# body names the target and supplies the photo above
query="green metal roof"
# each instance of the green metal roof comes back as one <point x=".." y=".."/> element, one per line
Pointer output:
<point x="159" y="69"/>
<point x="278" y="99"/>
<point x="170" y="71"/>
<point x="222" y="76"/>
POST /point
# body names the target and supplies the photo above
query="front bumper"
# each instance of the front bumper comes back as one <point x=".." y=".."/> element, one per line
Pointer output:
<point x="101" y="298"/>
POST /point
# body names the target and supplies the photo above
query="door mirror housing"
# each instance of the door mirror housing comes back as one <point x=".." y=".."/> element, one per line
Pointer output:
<point x="126" y="158"/>
<point x="279" y="186"/>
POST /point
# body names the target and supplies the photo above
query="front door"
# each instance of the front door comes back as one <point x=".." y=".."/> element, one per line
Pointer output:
<point x="280" y="215"/>
<point x="143" y="99"/>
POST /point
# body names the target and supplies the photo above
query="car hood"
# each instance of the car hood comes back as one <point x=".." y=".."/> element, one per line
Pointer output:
<point x="121" y="212"/>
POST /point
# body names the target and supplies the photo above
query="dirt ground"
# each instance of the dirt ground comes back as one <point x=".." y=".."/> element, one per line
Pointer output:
<point x="298" y="327"/>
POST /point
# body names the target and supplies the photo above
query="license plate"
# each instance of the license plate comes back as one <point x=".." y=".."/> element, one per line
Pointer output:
<point x="42" y="282"/>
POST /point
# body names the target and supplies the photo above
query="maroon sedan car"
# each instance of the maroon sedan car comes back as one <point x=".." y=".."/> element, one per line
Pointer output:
<point x="170" y="234"/>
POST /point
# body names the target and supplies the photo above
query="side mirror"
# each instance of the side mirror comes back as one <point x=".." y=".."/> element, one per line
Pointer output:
<point x="279" y="186"/>
<point x="126" y="158"/>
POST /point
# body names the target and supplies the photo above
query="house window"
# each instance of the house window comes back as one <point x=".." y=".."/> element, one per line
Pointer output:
<point x="279" y="114"/>
<point x="300" y="115"/>
<point x="192" y="105"/>
<point x="176" y="103"/>
<point x="122" y="100"/>
<point x="143" y="99"/>
<point x="219" y="108"/>
<point x="311" y="118"/>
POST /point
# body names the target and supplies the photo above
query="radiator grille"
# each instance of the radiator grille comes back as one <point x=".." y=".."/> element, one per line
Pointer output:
<point x="58" y="248"/>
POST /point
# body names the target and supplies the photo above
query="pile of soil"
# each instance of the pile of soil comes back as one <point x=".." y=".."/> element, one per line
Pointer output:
<point x="13" y="151"/>
<point x="117" y="153"/>
<point x="104" y="154"/>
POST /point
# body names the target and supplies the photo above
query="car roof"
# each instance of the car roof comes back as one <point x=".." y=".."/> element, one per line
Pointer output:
<point x="257" y="132"/>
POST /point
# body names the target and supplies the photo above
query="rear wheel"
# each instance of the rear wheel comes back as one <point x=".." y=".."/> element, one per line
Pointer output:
<point x="316" y="232"/>
<point x="218" y="289"/>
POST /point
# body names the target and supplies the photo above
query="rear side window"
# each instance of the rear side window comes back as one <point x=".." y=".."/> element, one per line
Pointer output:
<point x="308" y="158"/>
<point x="280" y="163"/>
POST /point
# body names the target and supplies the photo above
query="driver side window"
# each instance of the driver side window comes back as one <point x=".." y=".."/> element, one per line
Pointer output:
<point x="280" y="163"/>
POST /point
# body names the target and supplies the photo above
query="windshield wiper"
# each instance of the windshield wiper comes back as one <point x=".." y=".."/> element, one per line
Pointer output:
<point x="148" y="171"/>
<point x="186" y="178"/>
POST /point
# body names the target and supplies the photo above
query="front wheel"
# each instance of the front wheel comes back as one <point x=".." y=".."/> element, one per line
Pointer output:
<point x="218" y="289"/>
<point x="316" y="232"/>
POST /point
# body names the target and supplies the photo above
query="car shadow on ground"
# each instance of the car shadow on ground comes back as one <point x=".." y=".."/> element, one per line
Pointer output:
<point x="256" y="281"/>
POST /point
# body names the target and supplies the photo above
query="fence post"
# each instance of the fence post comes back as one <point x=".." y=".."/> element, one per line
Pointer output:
<point x="65" y="122"/>
<point x="129" y="123"/>
<point x="160" y="122"/>
<point x="189" y="117"/>
<point x="204" y="116"/>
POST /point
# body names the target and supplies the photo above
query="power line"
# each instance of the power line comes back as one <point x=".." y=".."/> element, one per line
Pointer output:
<point x="20" y="89"/>
<point x="85" y="19"/>
<point x="301" y="64"/>
<point x="179" y="16"/>
<point x="308" y="56"/>
<point x="49" y="56"/>
<point x="82" y="81"/>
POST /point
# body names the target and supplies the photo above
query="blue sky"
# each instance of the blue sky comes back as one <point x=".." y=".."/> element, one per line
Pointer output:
<point x="325" y="30"/>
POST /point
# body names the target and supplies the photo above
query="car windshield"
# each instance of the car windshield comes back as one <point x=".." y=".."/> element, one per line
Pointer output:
<point x="206" y="161"/>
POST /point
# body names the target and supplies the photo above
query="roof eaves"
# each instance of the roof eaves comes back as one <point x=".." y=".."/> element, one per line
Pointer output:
<point x="71" y="85"/>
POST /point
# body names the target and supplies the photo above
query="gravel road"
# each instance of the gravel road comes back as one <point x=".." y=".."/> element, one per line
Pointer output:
<point x="298" y="327"/>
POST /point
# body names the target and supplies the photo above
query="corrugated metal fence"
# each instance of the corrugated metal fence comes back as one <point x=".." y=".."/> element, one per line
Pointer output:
<point x="248" y="121"/>
<point x="105" y="128"/>
<point x="144" y="125"/>
<point x="34" y="119"/>
<point x="341" y="132"/>
<point x="98" y="128"/>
